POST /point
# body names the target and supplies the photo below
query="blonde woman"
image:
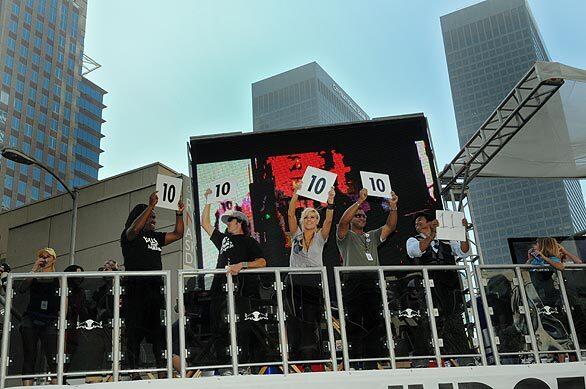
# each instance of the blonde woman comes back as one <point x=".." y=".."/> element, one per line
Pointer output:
<point x="307" y="240"/>
<point x="305" y="296"/>
<point x="546" y="251"/>
<point x="38" y="328"/>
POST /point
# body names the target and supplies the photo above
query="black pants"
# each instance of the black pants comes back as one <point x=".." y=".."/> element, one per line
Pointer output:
<point x="362" y="303"/>
<point x="304" y="310"/>
<point x="34" y="332"/>
<point x="142" y="314"/>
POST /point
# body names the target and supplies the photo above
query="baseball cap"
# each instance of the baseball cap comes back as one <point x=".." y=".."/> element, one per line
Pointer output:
<point x="237" y="214"/>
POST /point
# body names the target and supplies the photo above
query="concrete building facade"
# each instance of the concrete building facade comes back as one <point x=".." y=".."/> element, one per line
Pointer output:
<point x="304" y="96"/>
<point x="489" y="46"/>
<point x="102" y="212"/>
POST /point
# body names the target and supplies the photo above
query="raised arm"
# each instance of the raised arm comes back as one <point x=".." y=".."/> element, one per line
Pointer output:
<point x="205" y="217"/>
<point x="465" y="244"/>
<point x="291" y="218"/>
<point x="177" y="234"/>
<point x="138" y="223"/>
<point x="344" y="225"/>
<point x="327" y="226"/>
<point x="566" y="254"/>
<point x="391" y="223"/>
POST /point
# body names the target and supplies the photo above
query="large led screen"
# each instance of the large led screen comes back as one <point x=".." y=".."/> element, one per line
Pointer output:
<point x="265" y="165"/>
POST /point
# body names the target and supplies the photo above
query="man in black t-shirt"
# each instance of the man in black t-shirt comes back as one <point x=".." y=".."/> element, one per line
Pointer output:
<point x="237" y="251"/>
<point x="141" y="248"/>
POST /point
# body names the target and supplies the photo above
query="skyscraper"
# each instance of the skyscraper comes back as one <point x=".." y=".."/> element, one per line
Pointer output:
<point x="304" y="96"/>
<point x="47" y="108"/>
<point x="489" y="46"/>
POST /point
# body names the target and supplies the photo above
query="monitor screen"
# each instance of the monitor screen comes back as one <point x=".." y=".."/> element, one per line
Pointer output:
<point x="265" y="165"/>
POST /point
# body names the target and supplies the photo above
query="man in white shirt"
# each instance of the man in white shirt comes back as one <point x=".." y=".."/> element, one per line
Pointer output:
<point x="425" y="249"/>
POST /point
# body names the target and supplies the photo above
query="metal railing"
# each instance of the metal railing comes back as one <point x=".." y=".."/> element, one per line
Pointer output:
<point x="393" y="316"/>
<point x="276" y="285"/>
<point x="427" y="305"/>
<point x="63" y="285"/>
<point x="529" y="312"/>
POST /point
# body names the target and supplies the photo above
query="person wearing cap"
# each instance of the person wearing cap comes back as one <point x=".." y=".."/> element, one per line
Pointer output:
<point x="361" y="295"/>
<point x="143" y="301"/>
<point x="425" y="249"/>
<point x="38" y="328"/>
<point x="237" y="251"/>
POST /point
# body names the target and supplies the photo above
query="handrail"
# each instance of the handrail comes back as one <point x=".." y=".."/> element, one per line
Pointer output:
<point x="475" y="292"/>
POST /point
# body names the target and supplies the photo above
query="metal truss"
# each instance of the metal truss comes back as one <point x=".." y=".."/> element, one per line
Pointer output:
<point x="89" y="65"/>
<point x="526" y="98"/>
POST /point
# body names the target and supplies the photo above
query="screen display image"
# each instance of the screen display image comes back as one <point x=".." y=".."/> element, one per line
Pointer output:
<point x="265" y="166"/>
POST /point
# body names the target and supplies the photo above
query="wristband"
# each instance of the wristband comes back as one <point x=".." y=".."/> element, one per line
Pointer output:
<point x="331" y="206"/>
<point x="244" y="265"/>
<point x="179" y="213"/>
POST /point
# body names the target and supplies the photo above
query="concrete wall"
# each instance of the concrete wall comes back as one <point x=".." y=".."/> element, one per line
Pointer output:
<point x="102" y="211"/>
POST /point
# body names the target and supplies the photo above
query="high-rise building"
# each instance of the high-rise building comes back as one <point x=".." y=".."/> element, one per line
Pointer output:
<point x="48" y="109"/>
<point x="489" y="46"/>
<point x="304" y="96"/>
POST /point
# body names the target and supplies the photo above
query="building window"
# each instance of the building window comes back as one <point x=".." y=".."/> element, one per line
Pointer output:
<point x="8" y="182"/>
<point x="6" y="200"/>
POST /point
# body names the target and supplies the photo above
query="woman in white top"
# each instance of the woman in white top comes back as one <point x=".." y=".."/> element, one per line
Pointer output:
<point x="307" y="240"/>
<point x="305" y="299"/>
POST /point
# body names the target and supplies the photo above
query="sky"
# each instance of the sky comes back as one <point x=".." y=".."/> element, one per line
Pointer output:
<point x="180" y="68"/>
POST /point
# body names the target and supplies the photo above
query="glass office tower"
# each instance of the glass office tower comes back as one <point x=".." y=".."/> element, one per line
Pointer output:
<point x="47" y="108"/>
<point x="489" y="46"/>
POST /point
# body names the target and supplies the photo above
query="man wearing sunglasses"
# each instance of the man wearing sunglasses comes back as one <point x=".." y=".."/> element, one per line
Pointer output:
<point x="361" y="297"/>
<point x="359" y="248"/>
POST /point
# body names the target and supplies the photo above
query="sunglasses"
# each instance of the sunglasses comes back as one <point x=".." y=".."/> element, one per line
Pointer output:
<point x="360" y="216"/>
<point x="233" y="218"/>
<point x="45" y="256"/>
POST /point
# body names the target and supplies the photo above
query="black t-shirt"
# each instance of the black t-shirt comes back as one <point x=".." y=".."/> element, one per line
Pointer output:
<point x="234" y="249"/>
<point x="144" y="251"/>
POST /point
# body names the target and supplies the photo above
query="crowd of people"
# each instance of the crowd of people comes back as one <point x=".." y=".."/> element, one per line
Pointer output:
<point x="143" y="301"/>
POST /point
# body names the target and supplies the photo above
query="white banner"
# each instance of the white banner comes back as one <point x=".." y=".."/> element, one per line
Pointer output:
<point x="450" y="225"/>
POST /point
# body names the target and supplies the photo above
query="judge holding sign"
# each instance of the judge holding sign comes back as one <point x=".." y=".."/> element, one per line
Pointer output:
<point x="306" y="297"/>
<point x="307" y="239"/>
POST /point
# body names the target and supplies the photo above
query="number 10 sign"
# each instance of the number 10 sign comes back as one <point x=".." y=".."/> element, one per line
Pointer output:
<point x="317" y="184"/>
<point x="169" y="189"/>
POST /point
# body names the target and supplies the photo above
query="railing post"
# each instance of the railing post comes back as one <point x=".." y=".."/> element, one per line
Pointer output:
<point x="62" y="323"/>
<point x="232" y="319"/>
<point x="488" y="318"/>
<point x="182" y="322"/>
<point x="330" y="325"/>
<point x="6" y="332"/>
<point x="387" y="317"/>
<point x="282" y="329"/>
<point x="475" y="315"/>
<point x="338" y="285"/>
<point x="116" y="328"/>
<point x="568" y="307"/>
<point x="431" y="312"/>
<point x="169" y="323"/>
<point x="527" y="314"/>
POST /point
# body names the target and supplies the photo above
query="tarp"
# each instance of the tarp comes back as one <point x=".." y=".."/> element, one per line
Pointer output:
<point x="553" y="143"/>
